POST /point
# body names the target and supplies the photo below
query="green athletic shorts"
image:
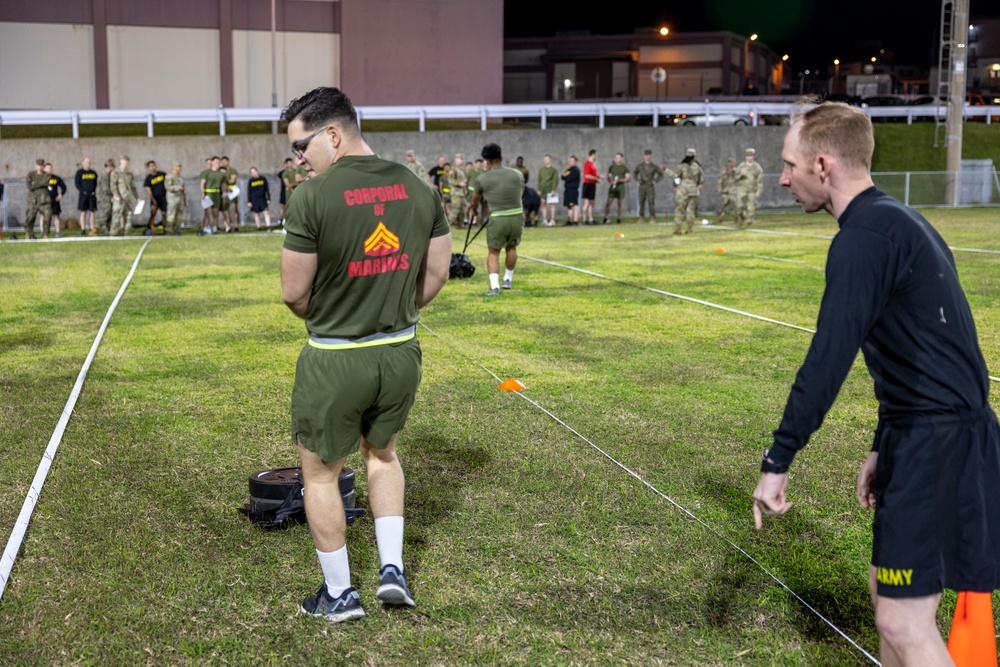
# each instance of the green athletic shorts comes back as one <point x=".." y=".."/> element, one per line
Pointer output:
<point x="617" y="192"/>
<point x="341" y="395"/>
<point x="224" y="200"/>
<point x="214" y="196"/>
<point x="504" y="231"/>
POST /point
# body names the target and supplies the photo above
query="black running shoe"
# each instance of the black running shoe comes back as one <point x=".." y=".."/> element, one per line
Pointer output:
<point x="346" y="607"/>
<point x="392" y="589"/>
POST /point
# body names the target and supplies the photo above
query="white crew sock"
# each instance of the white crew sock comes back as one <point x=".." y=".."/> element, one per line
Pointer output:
<point x="494" y="281"/>
<point x="336" y="570"/>
<point x="508" y="274"/>
<point x="389" y="538"/>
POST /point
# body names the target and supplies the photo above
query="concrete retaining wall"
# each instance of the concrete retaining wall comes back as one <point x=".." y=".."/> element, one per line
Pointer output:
<point x="267" y="152"/>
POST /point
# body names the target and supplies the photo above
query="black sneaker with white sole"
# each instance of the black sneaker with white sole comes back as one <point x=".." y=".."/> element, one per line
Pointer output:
<point x="392" y="589"/>
<point x="345" y="607"/>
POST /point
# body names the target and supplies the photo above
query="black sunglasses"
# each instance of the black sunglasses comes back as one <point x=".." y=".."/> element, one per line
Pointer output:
<point x="299" y="147"/>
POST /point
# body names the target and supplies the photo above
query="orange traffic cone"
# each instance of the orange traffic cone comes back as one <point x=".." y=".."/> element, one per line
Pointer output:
<point x="972" y="641"/>
<point x="510" y="384"/>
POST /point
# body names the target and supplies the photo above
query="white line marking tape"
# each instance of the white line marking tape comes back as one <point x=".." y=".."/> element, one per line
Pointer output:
<point x="681" y="296"/>
<point x="27" y="509"/>
<point x="665" y="293"/>
<point x="667" y="498"/>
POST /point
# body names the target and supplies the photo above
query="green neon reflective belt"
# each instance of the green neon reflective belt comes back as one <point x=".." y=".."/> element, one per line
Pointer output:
<point x="510" y="211"/>
<point x="365" y="341"/>
<point x="211" y="189"/>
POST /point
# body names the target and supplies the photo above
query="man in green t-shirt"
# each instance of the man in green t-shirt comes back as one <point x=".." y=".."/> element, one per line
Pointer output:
<point x="212" y="186"/>
<point x="503" y="187"/>
<point x="204" y="215"/>
<point x="359" y="285"/>
<point x="548" y="184"/>
<point x="618" y="176"/>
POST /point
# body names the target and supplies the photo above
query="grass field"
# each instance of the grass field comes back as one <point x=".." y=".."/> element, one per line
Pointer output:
<point x="524" y="544"/>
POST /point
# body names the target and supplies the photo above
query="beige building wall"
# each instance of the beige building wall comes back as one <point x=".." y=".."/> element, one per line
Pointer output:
<point x="163" y="68"/>
<point x="304" y="61"/>
<point x="46" y="66"/>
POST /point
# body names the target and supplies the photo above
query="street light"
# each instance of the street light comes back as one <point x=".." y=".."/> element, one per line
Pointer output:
<point x="746" y="61"/>
<point x="836" y="74"/>
<point x="664" y="31"/>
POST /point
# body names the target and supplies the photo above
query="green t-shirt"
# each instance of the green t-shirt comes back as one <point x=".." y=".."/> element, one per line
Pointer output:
<point x="618" y="170"/>
<point x="204" y="172"/>
<point x="368" y="220"/>
<point x="214" y="181"/>
<point x="502" y="188"/>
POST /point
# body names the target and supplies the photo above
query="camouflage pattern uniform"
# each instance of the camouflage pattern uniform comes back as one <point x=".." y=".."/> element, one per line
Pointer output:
<point x="416" y="167"/>
<point x="39" y="201"/>
<point x="102" y="220"/>
<point x="727" y="192"/>
<point x="688" y="177"/>
<point x="648" y="175"/>
<point x="457" y="184"/>
<point x="123" y="187"/>
<point x="176" y="202"/>
<point x="749" y="185"/>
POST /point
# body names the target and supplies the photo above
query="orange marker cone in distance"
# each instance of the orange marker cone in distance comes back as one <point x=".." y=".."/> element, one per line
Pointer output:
<point x="720" y="250"/>
<point x="510" y="384"/>
<point x="972" y="640"/>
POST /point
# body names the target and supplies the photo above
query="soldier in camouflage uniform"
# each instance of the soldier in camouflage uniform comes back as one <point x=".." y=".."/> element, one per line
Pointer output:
<point x="458" y="184"/>
<point x="176" y="200"/>
<point x="102" y="220"/>
<point x="413" y="165"/>
<point x="749" y="185"/>
<point x="688" y="179"/>
<point x="727" y="190"/>
<point x="123" y="198"/>
<point x="39" y="201"/>
<point x="648" y="175"/>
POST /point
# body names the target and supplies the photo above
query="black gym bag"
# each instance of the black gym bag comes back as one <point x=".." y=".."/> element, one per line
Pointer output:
<point x="276" y="498"/>
<point x="461" y="265"/>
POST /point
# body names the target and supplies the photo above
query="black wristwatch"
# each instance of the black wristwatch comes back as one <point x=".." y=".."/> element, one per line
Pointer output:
<point x="768" y="465"/>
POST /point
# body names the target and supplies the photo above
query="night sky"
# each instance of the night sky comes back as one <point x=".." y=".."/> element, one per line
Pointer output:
<point x="811" y="32"/>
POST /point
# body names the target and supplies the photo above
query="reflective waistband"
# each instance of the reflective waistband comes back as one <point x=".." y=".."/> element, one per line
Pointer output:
<point x="211" y="189"/>
<point x="365" y="341"/>
<point x="510" y="211"/>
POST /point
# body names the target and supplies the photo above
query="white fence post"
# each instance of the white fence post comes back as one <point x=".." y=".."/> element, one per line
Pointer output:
<point x="906" y="191"/>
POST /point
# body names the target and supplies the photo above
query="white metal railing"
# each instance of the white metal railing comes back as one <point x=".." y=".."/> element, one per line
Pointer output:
<point x="541" y="110"/>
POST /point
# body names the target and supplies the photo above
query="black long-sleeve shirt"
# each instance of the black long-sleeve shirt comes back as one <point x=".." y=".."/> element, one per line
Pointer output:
<point x="86" y="181"/>
<point x="57" y="187"/>
<point x="571" y="178"/>
<point x="892" y="289"/>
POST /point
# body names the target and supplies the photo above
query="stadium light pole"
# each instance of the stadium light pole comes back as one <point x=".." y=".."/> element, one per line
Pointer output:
<point x="836" y="75"/>
<point x="274" y="69"/>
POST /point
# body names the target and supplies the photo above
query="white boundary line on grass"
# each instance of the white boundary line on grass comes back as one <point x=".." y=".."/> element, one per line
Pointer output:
<point x="682" y="297"/>
<point x="670" y="500"/>
<point x="27" y="509"/>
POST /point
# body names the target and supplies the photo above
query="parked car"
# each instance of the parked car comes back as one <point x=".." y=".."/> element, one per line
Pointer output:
<point x="978" y="99"/>
<point x="713" y="120"/>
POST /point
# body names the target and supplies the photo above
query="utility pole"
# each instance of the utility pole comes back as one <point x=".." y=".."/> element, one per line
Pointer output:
<point x="956" y="95"/>
<point x="274" y="69"/>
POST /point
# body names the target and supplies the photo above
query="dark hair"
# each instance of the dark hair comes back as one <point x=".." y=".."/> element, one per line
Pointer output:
<point x="593" y="151"/>
<point x="214" y="158"/>
<point x="150" y="162"/>
<point x="491" y="152"/>
<point x="224" y="157"/>
<point x="320" y="106"/>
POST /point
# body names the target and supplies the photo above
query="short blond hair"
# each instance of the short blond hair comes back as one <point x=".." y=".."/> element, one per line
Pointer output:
<point x="838" y="129"/>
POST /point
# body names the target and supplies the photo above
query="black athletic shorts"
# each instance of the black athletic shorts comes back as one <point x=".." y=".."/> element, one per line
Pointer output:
<point x="87" y="202"/>
<point x="258" y="205"/>
<point x="937" y="505"/>
<point x="571" y="197"/>
<point x="161" y="202"/>
<point x="589" y="190"/>
<point x="56" y="207"/>
<point x="281" y="200"/>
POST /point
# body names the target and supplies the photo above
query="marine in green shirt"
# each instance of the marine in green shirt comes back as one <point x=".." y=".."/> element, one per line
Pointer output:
<point x="618" y="175"/>
<point x="548" y="185"/>
<point x="367" y="246"/>
<point x="503" y="187"/>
